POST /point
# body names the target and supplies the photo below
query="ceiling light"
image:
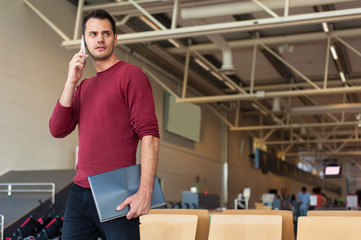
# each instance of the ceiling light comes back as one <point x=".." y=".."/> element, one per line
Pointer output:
<point x="325" y="27"/>
<point x="259" y="108"/>
<point x="342" y="76"/>
<point x="277" y="120"/>
<point x="230" y="85"/>
<point x="216" y="75"/>
<point x="202" y="64"/>
<point x="303" y="131"/>
<point x="149" y="23"/>
<point x="333" y="52"/>
<point x="358" y="118"/>
<point x="264" y="112"/>
<point x="285" y="47"/>
<point x="276" y="105"/>
<point x="319" y="145"/>
<point x="156" y="28"/>
<point x="174" y="42"/>
<point x="256" y="106"/>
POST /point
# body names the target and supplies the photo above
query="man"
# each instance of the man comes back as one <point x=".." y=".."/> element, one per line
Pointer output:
<point x="304" y="201"/>
<point x="113" y="110"/>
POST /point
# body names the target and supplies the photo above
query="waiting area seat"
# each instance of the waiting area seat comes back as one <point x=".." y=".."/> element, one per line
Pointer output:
<point x="287" y="219"/>
<point x="168" y="226"/>
<point x="328" y="228"/>
<point x="203" y="219"/>
<point x="334" y="213"/>
<point x="245" y="227"/>
<point x="261" y="206"/>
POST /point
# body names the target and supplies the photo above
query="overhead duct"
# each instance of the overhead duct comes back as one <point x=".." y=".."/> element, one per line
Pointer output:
<point x="247" y="7"/>
<point x="227" y="66"/>
<point x="312" y="110"/>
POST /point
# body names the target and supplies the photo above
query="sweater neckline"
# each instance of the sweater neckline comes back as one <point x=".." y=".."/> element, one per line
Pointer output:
<point x="108" y="69"/>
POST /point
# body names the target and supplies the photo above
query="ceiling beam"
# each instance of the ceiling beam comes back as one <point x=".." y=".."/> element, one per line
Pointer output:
<point x="294" y="38"/>
<point x="264" y="95"/>
<point x="152" y="6"/>
<point x="279" y="86"/>
<point x="219" y="28"/>
<point x="348" y="153"/>
<point x="294" y="125"/>
<point x="226" y="9"/>
<point x="337" y="140"/>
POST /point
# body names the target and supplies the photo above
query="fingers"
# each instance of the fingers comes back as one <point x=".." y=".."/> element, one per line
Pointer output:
<point x="123" y="205"/>
<point x="135" y="212"/>
<point x="81" y="54"/>
<point x="76" y="66"/>
<point x="126" y="202"/>
<point x="137" y="207"/>
<point x="78" y="61"/>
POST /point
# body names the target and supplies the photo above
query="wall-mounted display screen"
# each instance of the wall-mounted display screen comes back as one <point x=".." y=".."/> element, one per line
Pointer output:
<point x="332" y="170"/>
<point x="183" y="119"/>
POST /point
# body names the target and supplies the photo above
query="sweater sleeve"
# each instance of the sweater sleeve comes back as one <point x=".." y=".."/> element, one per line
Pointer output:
<point x="64" y="119"/>
<point x="139" y="97"/>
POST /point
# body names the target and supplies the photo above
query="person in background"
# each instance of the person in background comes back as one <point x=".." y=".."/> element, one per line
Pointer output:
<point x="303" y="201"/>
<point x="276" y="204"/>
<point x="321" y="199"/>
<point x="285" y="199"/>
<point x="240" y="201"/>
<point x="113" y="111"/>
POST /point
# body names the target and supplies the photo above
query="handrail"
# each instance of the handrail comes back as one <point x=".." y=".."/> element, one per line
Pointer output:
<point x="10" y="189"/>
<point x="2" y="223"/>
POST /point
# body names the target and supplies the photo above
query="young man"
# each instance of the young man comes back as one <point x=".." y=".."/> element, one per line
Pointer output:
<point x="113" y="110"/>
<point x="304" y="201"/>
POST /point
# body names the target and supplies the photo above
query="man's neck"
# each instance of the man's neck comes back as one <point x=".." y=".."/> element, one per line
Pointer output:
<point x="101" y="66"/>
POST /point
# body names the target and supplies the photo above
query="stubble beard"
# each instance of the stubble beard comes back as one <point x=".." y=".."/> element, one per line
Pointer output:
<point x="102" y="57"/>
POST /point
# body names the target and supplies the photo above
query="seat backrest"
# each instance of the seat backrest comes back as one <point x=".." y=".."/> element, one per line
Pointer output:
<point x="287" y="219"/>
<point x="245" y="227"/>
<point x="168" y="226"/>
<point x="328" y="228"/>
<point x="261" y="206"/>
<point x="334" y="213"/>
<point x="203" y="219"/>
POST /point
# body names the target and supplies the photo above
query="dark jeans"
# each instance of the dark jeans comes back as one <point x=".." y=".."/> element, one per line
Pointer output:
<point x="81" y="221"/>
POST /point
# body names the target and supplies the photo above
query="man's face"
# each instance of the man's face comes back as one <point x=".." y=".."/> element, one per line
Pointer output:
<point x="99" y="38"/>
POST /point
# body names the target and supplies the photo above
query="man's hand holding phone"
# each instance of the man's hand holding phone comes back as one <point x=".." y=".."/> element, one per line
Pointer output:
<point x="77" y="64"/>
<point x="75" y="71"/>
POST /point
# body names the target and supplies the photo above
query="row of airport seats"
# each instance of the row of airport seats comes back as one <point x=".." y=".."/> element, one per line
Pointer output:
<point x="201" y="224"/>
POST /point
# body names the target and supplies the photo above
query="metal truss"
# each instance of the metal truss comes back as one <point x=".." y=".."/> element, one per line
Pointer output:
<point x="281" y="125"/>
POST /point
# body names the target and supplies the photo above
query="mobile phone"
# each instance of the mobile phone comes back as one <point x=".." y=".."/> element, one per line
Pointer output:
<point x="83" y="46"/>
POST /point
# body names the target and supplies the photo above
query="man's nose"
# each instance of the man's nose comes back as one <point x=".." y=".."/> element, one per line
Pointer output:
<point x="100" y="38"/>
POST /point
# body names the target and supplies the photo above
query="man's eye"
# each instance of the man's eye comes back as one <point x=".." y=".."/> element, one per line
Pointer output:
<point x="107" y="34"/>
<point x="92" y="34"/>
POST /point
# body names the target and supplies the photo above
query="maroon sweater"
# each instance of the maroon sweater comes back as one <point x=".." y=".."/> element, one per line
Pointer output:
<point x="113" y="110"/>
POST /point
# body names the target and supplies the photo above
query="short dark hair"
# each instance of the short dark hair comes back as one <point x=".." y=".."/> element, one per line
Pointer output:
<point x="100" y="14"/>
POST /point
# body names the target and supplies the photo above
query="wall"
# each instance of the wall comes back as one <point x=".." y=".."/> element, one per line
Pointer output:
<point x="33" y="70"/>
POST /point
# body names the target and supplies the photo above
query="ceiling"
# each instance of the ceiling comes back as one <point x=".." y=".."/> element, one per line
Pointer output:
<point x="271" y="64"/>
